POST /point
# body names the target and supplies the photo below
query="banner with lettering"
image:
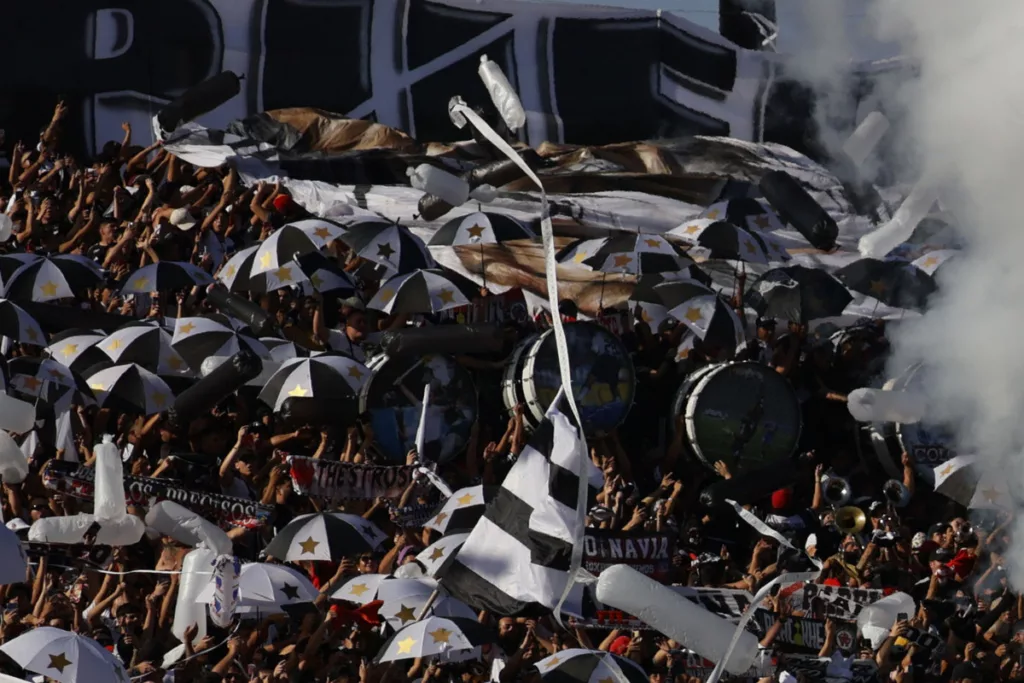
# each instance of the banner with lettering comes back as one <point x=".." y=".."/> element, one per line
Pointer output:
<point x="818" y="601"/>
<point x="78" y="481"/>
<point x="648" y="553"/>
<point x="811" y="668"/>
<point x="337" y="481"/>
<point x="803" y="634"/>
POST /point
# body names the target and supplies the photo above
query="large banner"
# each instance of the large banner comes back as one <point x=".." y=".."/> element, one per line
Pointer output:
<point x="329" y="480"/>
<point x="585" y="74"/>
<point x="648" y="553"/>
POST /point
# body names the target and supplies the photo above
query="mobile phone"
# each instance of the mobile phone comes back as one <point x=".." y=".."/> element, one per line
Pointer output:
<point x="902" y="616"/>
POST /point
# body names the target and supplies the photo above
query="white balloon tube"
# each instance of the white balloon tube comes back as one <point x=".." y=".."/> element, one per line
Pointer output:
<point x="127" y="530"/>
<point x="867" y="136"/>
<point x="877" y="619"/>
<point x="894" y="233"/>
<point x="504" y="97"/>
<point x="226" y="569"/>
<point x="195" y="574"/>
<point x="879" y="405"/>
<point x="484" y="193"/>
<point x="690" y="625"/>
<point x="13" y="463"/>
<point x="66" y="529"/>
<point x="432" y="180"/>
<point x="16" y="415"/>
<point x="108" y="498"/>
<point x="186" y="527"/>
<point x="6" y="227"/>
<point x="421" y="428"/>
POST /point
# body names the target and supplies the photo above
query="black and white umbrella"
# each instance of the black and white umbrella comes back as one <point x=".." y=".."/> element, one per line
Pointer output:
<point x="237" y="270"/>
<point x="723" y="240"/>
<point x="325" y="275"/>
<point x="282" y="349"/>
<point x="392" y="246"/>
<point x="748" y="213"/>
<point x="424" y="291"/>
<point x="52" y="278"/>
<point x="130" y="388"/>
<point x="281" y="249"/>
<point x="361" y="589"/>
<point x="320" y="230"/>
<point x="10" y="263"/>
<point x="326" y="377"/>
<point x="35" y="372"/>
<point x="894" y="283"/>
<point x="437" y="554"/>
<point x="930" y="262"/>
<point x="435" y="636"/>
<point x="577" y="665"/>
<point x="703" y="312"/>
<point x="798" y="294"/>
<point x="196" y="339"/>
<point x="77" y="348"/>
<point x="18" y="325"/>
<point x="405" y="599"/>
<point x="480" y="228"/>
<point x="266" y="588"/>
<point x="148" y="344"/>
<point x="64" y="657"/>
<point x="239" y="275"/>
<point x="627" y="253"/>
<point x="165" y="276"/>
<point x="462" y="510"/>
<point x="330" y="536"/>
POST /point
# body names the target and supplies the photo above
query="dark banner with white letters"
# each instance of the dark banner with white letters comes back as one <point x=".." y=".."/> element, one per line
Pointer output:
<point x="336" y="481"/>
<point x="648" y="553"/>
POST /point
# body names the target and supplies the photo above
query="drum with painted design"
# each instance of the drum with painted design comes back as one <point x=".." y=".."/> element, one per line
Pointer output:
<point x="393" y="396"/>
<point x="744" y="414"/>
<point x="511" y="380"/>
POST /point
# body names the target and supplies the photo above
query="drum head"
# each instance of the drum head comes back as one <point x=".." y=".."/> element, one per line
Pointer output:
<point x="930" y="445"/>
<point x="511" y="386"/>
<point x="393" y="395"/>
<point x="744" y="414"/>
<point x="603" y="378"/>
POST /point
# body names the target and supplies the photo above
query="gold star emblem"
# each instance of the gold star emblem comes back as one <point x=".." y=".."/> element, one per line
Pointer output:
<point x="877" y="287"/>
<point x="297" y="391"/>
<point x="405" y="614"/>
<point x="465" y="499"/>
<point x="652" y="243"/>
<point x="694" y="315"/>
<point x="60" y="662"/>
<point x="930" y="261"/>
<point x="114" y="345"/>
<point x="231" y="270"/>
<point x="446" y="296"/>
<point x="440" y="635"/>
<point x="645" y="316"/>
<point x="691" y="229"/>
<point x="436" y="554"/>
<point x="97" y="387"/>
<point x="405" y="646"/>
<point x="751" y="249"/>
<point x="622" y="260"/>
<point x="386" y="295"/>
<point x="316" y="280"/>
<point x="141" y="283"/>
<point x="55" y="373"/>
<point x="69" y="349"/>
<point x="713" y="215"/>
<point x="580" y="257"/>
<point x="309" y="546"/>
<point x="175" y="362"/>
<point x="265" y="260"/>
<point x="355" y="372"/>
<point x="48" y="289"/>
<point x="385" y="250"/>
<point x="946" y="470"/>
<point x="475" y="231"/>
<point x="32" y="383"/>
<point x="283" y="273"/>
<point x="762" y="222"/>
<point x="158" y="400"/>
<point x="186" y="328"/>
<point x="554" y="661"/>
<point x="684" y="352"/>
<point x="358" y="589"/>
<point x="441" y="516"/>
<point x="31" y="333"/>
<point x="322" y="233"/>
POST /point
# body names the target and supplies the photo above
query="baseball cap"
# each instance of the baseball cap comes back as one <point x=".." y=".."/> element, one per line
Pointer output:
<point x="876" y="505"/>
<point x="282" y="202"/>
<point x="766" y="323"/>
<point x="619" y="645"/>
<point x="182" y="219"/>
<point x="942" y="555"/>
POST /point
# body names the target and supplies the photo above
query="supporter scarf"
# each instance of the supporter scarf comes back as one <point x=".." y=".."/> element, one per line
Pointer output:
<point x="334" y="481"/>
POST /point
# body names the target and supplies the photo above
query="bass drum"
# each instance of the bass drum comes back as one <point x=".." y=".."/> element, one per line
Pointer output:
<point x="603" y="378"/>
<point x="511" y="383"/>
<point x="744" y="414"/>
<point x="930" y="445"/>
<point x="393" y="396"/>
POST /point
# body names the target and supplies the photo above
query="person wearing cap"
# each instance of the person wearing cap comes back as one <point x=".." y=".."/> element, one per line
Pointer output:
<point x="352" y="332"/>
<point x="759" y="349"/>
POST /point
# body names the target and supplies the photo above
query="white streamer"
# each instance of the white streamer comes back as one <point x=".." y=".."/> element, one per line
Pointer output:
<point x="421" y="428"/>
<point x="765" y="530"/>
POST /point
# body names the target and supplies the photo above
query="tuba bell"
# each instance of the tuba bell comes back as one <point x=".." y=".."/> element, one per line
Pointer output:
<point x="836" y="491"/>
<point x="850" y="519"/>
<point x="896" y="493"/>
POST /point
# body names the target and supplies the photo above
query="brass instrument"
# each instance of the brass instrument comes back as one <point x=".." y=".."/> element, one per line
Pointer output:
<point x="896" y="493"/>
<point x="836" y="491"/>
<point x="850" y="519"/>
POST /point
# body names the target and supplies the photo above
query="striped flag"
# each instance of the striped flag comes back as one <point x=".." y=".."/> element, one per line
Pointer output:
<point x="516" y="559"/>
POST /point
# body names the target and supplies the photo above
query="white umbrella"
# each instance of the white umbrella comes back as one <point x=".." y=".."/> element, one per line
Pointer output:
<point x="434" y="636"/>
<point x="361" y="589"/>
<point x="64" y="656"/>
<point x="267" y="587"/>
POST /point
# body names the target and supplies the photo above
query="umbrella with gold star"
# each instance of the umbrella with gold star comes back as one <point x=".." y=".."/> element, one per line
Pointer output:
<point x="75" y="348"/>
<point x="894" y="283"/>
<point x="462" y="510"/>
<point x="932" y="260"/>
<point x="957" y="478"/>
<point x="717" y="239"/>
<point x="165" y="276"/>
<point x="425" y="291"/>
<point x="53" y="277"/>
<point x="18" y="325"/>
<point x="131" y="389"/>
<point x="480" y="228"/>
<point x="391" y="245"/>
<point x="148" y="344"/>
<point x="47" y="380"/>
<point x="402" y="609"/>
<point x="798" y="294"/>
<point x="434" y="636"/>
<point x="237" y="270"/>
<point x="281" y="248"/>
<point x="64" y="657"/>
<point x="284" y="349"/>
<point x="362" y="588"/>
<point x="627" y="253"/>
<point x="266" y="588"/>
<point x="320" y="230"/>
<point x="325" y="275"/>
<point x="435" y="555"/>
<point x="329" y="536"/>
<point x="703" y="312"/>
<point x="577" y="665"/>
<point x="197" y="338"/>
<point x="326" y="377"/>
<point x="748" y="213"/>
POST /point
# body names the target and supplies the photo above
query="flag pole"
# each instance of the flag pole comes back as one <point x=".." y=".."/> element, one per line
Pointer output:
<point x="428" y="604"/>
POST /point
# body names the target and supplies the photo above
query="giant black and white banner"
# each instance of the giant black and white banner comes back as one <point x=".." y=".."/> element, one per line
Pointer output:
<point x="834" y="601"/>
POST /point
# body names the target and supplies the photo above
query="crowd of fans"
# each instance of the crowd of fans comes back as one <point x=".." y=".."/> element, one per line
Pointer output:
<point x="131" y="205"/>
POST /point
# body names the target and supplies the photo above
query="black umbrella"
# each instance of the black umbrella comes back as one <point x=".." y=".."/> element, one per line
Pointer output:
<point x="130" y="388"/>
<point x="326" y="377"/>
<point x="752" y="214"/>
<point x="281" y="248"/>
<point x="145" y="343"/>
<point x="480" y="228"/>
<point x="577" y="665"/>
<point x="52" y="278"/>
<point x="724" y="240"/>
<point x="196" y="339"/>
<point x="631" y="253"/>
<point x="894" y="283"/>
<point x="165" y="276"/>
<point x="330" y="536"/>
<point x="424" y="291"/>
<point x="326" y="275"/>
<point x="798" y="294"/>
<point x="392" y="246"/>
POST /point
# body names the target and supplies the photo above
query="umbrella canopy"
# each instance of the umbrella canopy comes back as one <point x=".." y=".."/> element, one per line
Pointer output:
<point x="929" y="263"/>
<point x="751" y="214"/>
<point x="64" y="656"/>
<point x="76" y="349"/>
<point x="957" y="478"/>
<point x="282" y="349"/>
<point x="267" y="587"/>
<point x="434" y="636"/>
<point x="10" y="263"/>
<point x="239" y="274"/>
<point x="325" y="536"/>
<point x="437" y="554"/>
<point x="723" y="240"/>
<point x="362" y="588"/>
<point x="165" y="276"/>
<point x="401" y="611"/>
<point x="52" y="278"/>
<point x="320" y="230"/>
<point x="130" y="388"/>
<point x="798" y="294"/>
<point x="892" y="282"/>
<point x="703" y="312"/>
<point x="480" y="228"/>
<point x="19" y="325"/>
<point x="237" y="270"/>
<point x="146" y="343"/>
<point x="196" y="339"/>
<point x="326" y="275"/>
<point x="577" y="665"/>
<point x="327" y="377"/>
<point x="51" y="382"/>
<point x="629" y="253"/>
<point x="462" y="510"/>
<point x="425" y="291"/>
<point x="282" y="248"/>
<point x="391" y="245"/>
